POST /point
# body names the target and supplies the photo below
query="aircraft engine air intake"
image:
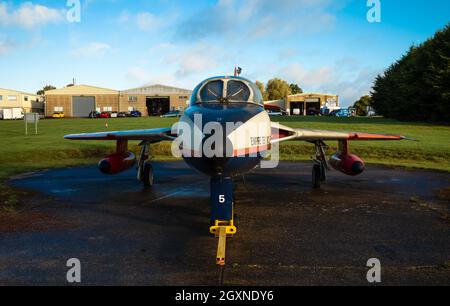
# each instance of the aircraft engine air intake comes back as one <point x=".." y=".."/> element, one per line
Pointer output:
<point x="117" y="163"/>
<point x="349" y="164"/>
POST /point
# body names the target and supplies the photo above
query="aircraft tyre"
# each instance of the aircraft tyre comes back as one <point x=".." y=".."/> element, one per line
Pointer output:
<point x="147" y="177"/>
<point x="316" y="176"/>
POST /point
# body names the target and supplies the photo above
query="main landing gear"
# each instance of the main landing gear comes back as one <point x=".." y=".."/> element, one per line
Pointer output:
<point x="145" y="169"/>
<point x="319" y="171"/>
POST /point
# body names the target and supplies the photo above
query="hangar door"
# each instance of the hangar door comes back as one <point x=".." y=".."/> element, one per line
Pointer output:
<point x="312" y="106"/>
<point x="157" y="106"/>
<point x="82" y="106"/>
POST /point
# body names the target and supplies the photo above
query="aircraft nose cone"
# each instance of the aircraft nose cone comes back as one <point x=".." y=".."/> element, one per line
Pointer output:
<point x="358" y="168"/>
<point x="104" y="166"/>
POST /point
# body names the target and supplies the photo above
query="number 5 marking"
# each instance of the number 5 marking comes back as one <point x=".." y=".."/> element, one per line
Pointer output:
<point x="221" y="199"/>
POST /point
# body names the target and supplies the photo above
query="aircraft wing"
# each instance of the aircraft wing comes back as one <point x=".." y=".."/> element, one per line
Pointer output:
<point x="152" y="135"/>
<point x="283" y="133"/>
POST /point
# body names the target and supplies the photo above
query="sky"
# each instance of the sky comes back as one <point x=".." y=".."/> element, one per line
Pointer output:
<point x="322" y="45"/>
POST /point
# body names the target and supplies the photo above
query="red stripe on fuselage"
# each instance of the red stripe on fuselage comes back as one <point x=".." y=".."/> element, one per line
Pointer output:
<point x="236" y="153"/>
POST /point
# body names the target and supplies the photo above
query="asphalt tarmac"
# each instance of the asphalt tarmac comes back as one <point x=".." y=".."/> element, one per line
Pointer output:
<point x="288" y="233"/>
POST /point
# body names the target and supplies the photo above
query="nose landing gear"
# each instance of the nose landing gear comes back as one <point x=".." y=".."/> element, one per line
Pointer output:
<point x="222" y="220"/>
<point x="222" y="217"/>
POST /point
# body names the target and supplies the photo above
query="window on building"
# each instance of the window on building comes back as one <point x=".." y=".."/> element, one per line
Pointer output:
<point x="131" y="108"/>
<point x="132" y="99"/>
<point x="1" y="98"/>
<point x="107" y="108"/>
<point x="26" y="98"/>
<point x="12" y="98"/>
<point x="58" y="109"/>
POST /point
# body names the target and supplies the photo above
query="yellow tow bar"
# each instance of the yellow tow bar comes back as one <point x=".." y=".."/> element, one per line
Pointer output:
<point x="222" y="230"/>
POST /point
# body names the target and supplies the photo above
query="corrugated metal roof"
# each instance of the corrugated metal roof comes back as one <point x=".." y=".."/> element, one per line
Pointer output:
<point x="82" y="90"/>
<point x="306" y="94"/>
<point x="156" y="89"/>
<point x="17" y="92"/>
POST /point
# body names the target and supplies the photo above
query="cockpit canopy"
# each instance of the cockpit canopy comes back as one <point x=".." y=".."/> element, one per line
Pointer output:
<point x="226" y="90"/>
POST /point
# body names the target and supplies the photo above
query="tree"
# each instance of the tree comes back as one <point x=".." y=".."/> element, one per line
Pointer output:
<point x="277" y="89"/>
<point x="417" y="86"/>
<point x="295" y="89"/>
<point x="362" y="104"/>
<point x="261" y="88"/>
<point x="43" y="90"/>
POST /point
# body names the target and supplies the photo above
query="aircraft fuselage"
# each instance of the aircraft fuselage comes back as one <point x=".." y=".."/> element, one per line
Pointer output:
<point x="245" y="138"/>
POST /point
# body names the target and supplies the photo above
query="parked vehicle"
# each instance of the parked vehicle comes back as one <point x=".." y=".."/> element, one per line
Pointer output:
<point x="121" y="115"/>
<point x="135" y="114"/>
<point x="12" y="114"/>
<point x="105" y="115"/>
<point x="341" y="113"/>
<point x="280" y="112"/>
<point x="94" y="114"/>
<point x="326" y="111"/>
<point x="296" y="112"/>
<point x="171" y="114"/>
<point x="58" y="115"/>
<point x="313" y="112"/>
<point x="114" y="115"/>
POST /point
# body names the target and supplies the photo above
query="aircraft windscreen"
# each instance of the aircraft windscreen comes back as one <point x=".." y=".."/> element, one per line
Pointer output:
<point x="213" y="91"/>
<point x="237" y="91"/>
<point x="226" y="90"/>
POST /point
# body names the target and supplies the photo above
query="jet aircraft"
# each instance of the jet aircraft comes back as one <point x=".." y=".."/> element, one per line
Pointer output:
<point x="225" y="132"/>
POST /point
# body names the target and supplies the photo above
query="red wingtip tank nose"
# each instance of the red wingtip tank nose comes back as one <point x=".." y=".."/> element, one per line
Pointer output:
<point x="116" y="163"/>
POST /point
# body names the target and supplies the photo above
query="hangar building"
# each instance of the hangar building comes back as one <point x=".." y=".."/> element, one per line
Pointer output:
<point x="154" y="100"/>
<point x="306" y="103"/>
<point x="17" y="99"/>
<point x="80" y="100"/>
<point x="310" y="103"/>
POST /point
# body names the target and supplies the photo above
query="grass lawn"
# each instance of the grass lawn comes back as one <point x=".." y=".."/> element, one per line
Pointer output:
<point x="19" y="153"/>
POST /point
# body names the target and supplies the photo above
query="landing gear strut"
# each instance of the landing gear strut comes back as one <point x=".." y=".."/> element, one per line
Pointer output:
<point x="319" y="171"/>
<point x="145" y="169"/>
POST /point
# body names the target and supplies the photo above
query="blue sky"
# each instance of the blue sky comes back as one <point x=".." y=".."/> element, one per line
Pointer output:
<point x="322" y="45"/>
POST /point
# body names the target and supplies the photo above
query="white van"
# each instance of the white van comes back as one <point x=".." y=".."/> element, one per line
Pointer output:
<point x="12" y="114"/>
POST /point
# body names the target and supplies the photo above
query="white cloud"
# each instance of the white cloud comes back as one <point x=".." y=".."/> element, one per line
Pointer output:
<point x="256" y="19"/>
<point x="138" y="76"/>
<point x="7" y="45"/>
<point x="148" y="22"/>
<point x="92" y="50"/>
<point x="176" y="64"/>
<point x="347" y="78"/>
<point x="29" y="15"/>
<point x="196" y="59"/>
